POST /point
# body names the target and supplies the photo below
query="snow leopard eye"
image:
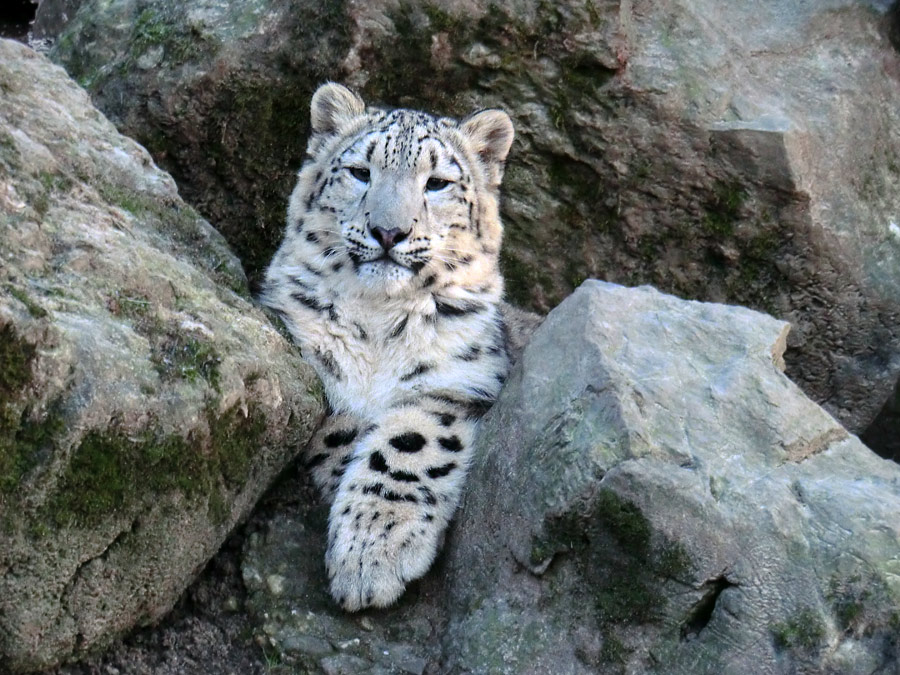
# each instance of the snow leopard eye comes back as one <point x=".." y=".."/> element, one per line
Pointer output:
<point x="359" y="173"/>
<point x="434" y="184"/>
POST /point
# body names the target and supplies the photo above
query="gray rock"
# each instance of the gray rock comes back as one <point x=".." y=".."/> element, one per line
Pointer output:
<point x="651" y="494"/>
<point x="299" y="621"/>
<point x="343" y="665"/>
<point x="219" y="94"/>
<point x="650" y="476"/>
<point x="882" y="435"/>
<point x="727" y="152"/>
<point x="520" y="326"/>
<point x="52" y="16"/>
<point x="145" y="404"/>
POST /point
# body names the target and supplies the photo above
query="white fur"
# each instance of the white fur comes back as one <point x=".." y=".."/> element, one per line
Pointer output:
<point x="406" y="339"/>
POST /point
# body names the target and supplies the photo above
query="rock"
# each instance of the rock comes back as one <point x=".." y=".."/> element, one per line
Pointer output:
<point x="145" y="403"/>
<point x="651" y="477"/>
<point x="651" y="493"/>
<point x="52" y="16"/>
<point x="722" y="152"/>
<point x="302" y="625"/>
<point x="224" y="93"/>
<point x="520" y="326"/>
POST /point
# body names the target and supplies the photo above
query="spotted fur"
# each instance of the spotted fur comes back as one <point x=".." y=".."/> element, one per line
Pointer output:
<point x="388" y="280"/>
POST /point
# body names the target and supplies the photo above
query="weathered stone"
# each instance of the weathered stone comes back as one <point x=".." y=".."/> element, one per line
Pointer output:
<point x="52" y="16"/>
<point x="651" y="477"/>
<point x="145" y="404"/>
<point x="220" y="95"/>
<point x="302" y="624"/>
<point x="883" y="434"/>
<point x="652" y="493"/>
<point x="719" y="151"/>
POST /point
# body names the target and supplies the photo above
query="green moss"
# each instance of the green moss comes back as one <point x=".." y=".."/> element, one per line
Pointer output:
<point x="405" y="63"/>
<point x="33" y="308"/>
<point x="408" y="76"/>
<point x="522" y="278"/>
<point x="9" y="151"/>
<point x="674" y="562"/>
<point x="612" y="540"/>
<point x="581" y="80"/>
<point x="271" y="117"/>
<point x="112" y="472"/>
<point x="98" y="481"/>
<point x="236" y="439"/>
<point x="132" y="304"/>
<point x="629" y="599"/>
<point x="50" y="184"/>
<point x="31" y="444"/>
<point x="613" y="651"/>
<point x="132" y="201"/>
<point x="25" y="437"/>
<point x="861" y="602"/>
<point x="16" y="359"/>
<point x="149" y="29"/>
<point x="186" y="358"/>
<point x="763" y="246"/>
<point x="240" y="150"/>
<point x="624" y="521"/>
<point x="579" y="218"/>
<point x="803" y="631"/>
<point x="153" y="28"/>
<point x="723" y="211"/>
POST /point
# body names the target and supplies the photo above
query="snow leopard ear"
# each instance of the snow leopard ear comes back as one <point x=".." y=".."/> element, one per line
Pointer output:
<point x="332" y="107"/>
<point x="491" y="133"/>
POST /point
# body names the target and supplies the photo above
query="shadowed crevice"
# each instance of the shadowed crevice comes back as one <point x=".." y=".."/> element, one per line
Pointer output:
<point x="883" y="434"/>
<point x="701" y="613"/>
<point x="894" y="25"/>
<point x="16" y="17"/>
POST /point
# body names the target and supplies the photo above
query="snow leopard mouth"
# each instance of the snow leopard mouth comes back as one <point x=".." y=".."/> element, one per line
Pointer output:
<point x="386" y="261"/>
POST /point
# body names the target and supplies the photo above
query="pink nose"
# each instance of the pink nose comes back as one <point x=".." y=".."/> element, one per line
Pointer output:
<point x="388" y="238"/>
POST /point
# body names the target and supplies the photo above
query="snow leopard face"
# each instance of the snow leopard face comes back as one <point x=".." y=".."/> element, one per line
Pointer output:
<point x="391" y="199"/>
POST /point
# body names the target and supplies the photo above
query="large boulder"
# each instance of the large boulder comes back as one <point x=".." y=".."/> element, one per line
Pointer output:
<point x="720" y="151"/>
<point x="145" y="403"/>
<point x="651" y="494"/>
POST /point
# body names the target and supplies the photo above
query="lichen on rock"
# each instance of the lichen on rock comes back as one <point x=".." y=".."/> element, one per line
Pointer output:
<point x="145" y="404"/>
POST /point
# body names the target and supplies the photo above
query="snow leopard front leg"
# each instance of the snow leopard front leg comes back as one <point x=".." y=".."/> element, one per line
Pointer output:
<point x="330" y="451"/>
<point x="395" y="500"/>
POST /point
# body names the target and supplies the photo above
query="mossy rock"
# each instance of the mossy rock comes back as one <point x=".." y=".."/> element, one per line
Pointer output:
<point x="145" y="402"/>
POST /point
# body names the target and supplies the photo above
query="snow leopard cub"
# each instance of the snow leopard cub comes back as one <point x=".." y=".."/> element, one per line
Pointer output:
<point x="388" y="280"/>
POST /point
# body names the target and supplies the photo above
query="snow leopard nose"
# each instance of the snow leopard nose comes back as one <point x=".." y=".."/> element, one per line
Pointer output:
<point x="388" y="238"/>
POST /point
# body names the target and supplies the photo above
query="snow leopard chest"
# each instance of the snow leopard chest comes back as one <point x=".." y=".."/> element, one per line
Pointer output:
<point x="370" y="358"/>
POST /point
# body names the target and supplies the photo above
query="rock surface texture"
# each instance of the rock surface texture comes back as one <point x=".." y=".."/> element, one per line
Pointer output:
<point x="720" y="151"/>
<point x="145" y="404"/>
<point x="652" y="494"/>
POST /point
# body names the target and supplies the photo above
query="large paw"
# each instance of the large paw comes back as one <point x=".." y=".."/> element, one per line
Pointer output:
<point x="375" y="549"/>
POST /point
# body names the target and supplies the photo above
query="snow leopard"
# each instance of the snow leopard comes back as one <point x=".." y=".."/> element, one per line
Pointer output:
<point x="388" y="280"/>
